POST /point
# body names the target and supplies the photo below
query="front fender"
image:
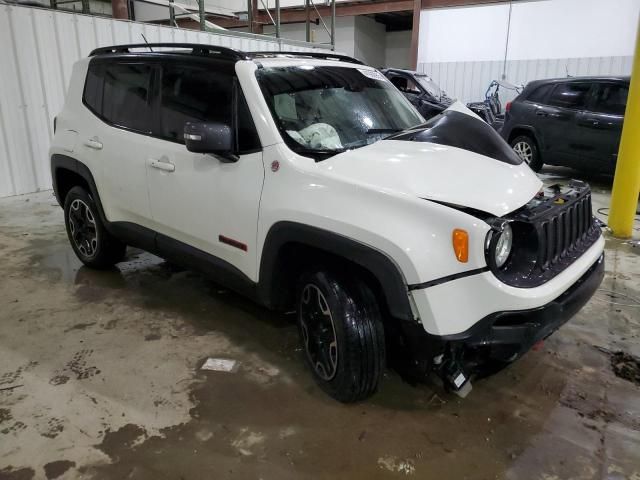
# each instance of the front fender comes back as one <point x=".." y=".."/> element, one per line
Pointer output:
<point x="387" y="273"/>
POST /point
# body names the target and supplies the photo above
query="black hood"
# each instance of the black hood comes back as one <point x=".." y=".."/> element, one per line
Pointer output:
<point x="457" y="129"/>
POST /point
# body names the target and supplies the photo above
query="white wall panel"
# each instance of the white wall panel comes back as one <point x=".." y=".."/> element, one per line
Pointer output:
<point x="467" y="81"/>
<point x="538" y="29"/>
<point x="463" y="48"/>
<point x="39" y="48"/>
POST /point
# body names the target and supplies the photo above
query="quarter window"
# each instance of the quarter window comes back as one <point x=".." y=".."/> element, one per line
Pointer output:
<point x="570" y="95"/>
<point x="126" y="98"/>
<point x="611" y="98"/>
<point x="247" y="139"/>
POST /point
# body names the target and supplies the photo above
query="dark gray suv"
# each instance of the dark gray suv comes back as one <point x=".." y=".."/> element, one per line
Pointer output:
<point x="573" y="122"/>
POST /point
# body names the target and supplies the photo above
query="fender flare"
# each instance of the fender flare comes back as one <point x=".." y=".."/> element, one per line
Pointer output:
<point x="387" y="273"/>
<point x="64" y="162"/>
<point x="533" y="131"/>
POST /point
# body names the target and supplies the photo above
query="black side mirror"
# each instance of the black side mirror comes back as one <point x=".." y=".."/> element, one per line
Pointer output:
<point x="210" y="137"/>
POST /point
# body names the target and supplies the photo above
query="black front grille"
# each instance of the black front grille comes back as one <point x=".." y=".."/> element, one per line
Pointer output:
<point x="564" y="232"/>
<point x="550" y="232"/>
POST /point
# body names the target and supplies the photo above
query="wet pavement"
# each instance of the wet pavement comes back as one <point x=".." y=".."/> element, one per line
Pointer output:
<point x="100" y="378"/>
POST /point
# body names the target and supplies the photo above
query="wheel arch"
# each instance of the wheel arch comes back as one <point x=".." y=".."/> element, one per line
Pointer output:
<point x="67" y="172"/>
<point x="290" y="247"/>
<point x="526" y="131"/>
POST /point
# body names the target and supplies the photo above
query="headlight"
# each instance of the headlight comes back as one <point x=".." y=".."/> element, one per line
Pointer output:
<point x="503" y="246"/>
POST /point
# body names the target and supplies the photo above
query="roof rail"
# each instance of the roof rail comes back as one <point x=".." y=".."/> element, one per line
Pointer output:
<point x="322" y="55"/>
<point x="196" y="48"/>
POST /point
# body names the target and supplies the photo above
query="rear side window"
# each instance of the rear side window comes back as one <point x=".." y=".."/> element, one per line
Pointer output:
<point x="539" y="95"/>
<point x="126" y="97"/>
<point x="610" y="98"/>
<point x="120" y="94"/>
<point x="570" y="95"/>
<point x="191" y="94"/>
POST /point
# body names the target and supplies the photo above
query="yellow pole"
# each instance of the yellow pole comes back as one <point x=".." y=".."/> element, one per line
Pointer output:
<point x="626" y="184"/>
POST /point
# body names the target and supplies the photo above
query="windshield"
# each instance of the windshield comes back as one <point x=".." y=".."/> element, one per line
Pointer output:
<point x="321" y="111"/>
<point x="431" y="87"/>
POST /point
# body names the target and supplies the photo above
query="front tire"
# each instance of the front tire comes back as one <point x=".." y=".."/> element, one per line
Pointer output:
<point x="341" y="333"/>
<point x="90" y="240"/>
<point x="527" y="150"/>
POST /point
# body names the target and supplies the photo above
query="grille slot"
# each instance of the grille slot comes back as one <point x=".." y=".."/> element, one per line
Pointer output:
<point x="563" y="232"/>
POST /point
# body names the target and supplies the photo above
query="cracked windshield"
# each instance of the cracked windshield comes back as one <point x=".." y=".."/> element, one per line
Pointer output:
<point x="322" y="111"/>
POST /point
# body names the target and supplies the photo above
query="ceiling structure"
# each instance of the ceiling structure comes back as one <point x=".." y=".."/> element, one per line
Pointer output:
<point x="394" y="14"/>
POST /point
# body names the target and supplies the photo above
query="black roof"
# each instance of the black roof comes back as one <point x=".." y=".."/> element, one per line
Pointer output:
<point x="222" y="53"/>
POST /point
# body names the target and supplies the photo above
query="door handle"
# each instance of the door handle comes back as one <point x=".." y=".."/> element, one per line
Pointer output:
<point x="93" y="143"/>
<point x="164" y="166"/>
<point x="540" y="113"/>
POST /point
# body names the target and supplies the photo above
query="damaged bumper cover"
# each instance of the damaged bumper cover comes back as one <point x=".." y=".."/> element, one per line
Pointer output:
<point x="510" y="334"/>
<point x="502" y="336"/>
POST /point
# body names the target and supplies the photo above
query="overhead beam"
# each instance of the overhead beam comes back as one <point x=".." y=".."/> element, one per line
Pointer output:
<point x="456" y="3"/>
<point x="298" y="15"/>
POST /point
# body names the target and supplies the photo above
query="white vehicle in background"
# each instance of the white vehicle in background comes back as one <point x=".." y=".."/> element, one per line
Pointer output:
<point x="308" y="181"/>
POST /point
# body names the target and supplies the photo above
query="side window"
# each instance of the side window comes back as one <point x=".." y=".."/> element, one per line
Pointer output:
<point x="539" y="95"/>
<point x="193" y="94"/>
<point x="126" y="98"/>
<point x="570" y="95"/>
<point x="405" y="85"/>
<point x="610" y="98"/>
<point x="92" y="95"/>
<point x="399" y="82"/>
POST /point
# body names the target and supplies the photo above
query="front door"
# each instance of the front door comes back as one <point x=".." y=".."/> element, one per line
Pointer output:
<point x="203" y="200"/>
<point x="601" y="125"/>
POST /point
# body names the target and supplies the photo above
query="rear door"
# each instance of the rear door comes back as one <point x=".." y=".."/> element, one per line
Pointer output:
<point x="123" y="100"/>
<point x="601" y="124"/>
<point x="558" y="122"/>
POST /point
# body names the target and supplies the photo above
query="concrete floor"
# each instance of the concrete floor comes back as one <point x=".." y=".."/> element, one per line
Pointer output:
<point x="99" y="378"/>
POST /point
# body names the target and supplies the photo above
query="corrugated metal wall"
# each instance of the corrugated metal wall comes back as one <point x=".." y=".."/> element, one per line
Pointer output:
<point x="38" y="49"/>
<point x="468" y="81"/>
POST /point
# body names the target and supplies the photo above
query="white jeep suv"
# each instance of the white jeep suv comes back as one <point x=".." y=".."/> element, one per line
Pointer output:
<point x="307" y="181"/>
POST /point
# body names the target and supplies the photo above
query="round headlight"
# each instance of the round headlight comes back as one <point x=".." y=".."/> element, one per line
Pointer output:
<point x="503" y="246"/>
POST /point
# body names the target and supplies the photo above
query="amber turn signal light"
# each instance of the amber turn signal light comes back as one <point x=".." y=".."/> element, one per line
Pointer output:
<point x="460" y="240"/>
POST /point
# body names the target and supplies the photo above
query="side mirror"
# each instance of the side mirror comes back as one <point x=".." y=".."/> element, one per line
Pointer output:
<point x="210" y="137"/>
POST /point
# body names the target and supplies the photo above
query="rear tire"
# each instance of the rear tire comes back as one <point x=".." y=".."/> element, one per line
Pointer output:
<point x="90" y="240"/>
<point x="527" y="150"/>
<point x="341" y="333"/>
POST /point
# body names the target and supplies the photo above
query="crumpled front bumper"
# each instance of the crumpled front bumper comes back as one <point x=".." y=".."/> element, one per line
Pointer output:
<point x="510" y="334"/>
<point x="502" y="336"/>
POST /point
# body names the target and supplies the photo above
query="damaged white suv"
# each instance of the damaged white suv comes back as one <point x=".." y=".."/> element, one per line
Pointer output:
<point x="308" y="181"/>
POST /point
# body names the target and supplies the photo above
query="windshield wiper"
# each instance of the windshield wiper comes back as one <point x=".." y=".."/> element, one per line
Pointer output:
<point x="320" y="154"/>
<point x="373" y="131"/>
